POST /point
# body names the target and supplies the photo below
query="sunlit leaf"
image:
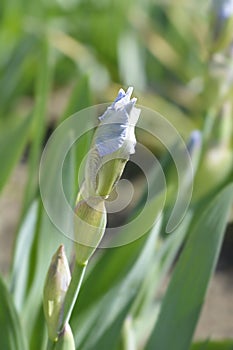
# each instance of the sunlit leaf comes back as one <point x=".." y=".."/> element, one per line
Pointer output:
<point x="11" y="336"/>
<point x="13" y="137"/>
<point x="185" y="295"/>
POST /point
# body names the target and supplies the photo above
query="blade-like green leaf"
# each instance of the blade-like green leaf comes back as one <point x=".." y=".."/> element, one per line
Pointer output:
<point x="13" y="138"/>
<point x="100" y="327"/>
<point x="21" y="261"/>
<point x="79" y="99"/>
<point x="11" y="337"/>
<point x="42" y="89"/>
<point x="39" y="335"/>
<point x="12" y="77"/>
<point x="185" y="295"/>
<point x="145" y="310"/>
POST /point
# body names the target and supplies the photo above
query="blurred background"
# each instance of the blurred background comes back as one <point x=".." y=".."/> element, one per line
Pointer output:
<point x="60" y="56"/>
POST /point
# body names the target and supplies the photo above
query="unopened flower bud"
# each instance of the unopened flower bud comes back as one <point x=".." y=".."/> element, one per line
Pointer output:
<point x="89" y="227"/>
<point x="56" y="284"/>
<point x="65" y="340"/>
<point x="113" y="142"/>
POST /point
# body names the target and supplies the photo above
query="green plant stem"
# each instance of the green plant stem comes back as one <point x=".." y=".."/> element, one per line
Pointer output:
<point x="72" y="293"/>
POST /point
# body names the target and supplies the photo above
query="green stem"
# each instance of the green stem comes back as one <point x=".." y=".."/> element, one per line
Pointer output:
<point x="72" y="293"/>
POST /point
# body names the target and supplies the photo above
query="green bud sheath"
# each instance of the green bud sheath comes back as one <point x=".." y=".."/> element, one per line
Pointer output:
<point x="108" y="176"/>
<point x="65" y="340"/>
<point x="102" y="173"/>
<point x="56" y="284"/>
<point x="89" y="227"/>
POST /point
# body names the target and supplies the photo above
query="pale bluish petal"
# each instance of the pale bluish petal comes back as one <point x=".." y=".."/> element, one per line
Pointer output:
<point x="114" y="141"/>
<point x="129" y="106"/>
<point x="194" y="141"/>
<point x="122" y="103"/>
<point x="111" y="138"/>
<point x="112" y="116"/>
<point x="120" y="95"/>
<point x="134" y="115"/>
<point x="117" y="125"/>
<point x="227" y="9"/>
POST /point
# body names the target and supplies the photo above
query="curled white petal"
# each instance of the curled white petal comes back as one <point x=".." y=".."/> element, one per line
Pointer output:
<point x="117" y="125"/>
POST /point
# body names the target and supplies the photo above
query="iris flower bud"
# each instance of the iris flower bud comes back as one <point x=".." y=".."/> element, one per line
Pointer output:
<point x="113" y="142"/>
<point x="56" y="284"/>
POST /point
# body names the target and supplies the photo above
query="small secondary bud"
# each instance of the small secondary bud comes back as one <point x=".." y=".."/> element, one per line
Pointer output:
<point x="56" y="284"/>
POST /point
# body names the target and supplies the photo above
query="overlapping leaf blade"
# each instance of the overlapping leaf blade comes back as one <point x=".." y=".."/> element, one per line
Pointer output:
<point x="11" y="336"/>
<point x="185" y="295"/>
<point x="13" y="138"/>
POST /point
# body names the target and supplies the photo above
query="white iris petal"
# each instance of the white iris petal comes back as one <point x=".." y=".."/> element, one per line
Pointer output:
<point x="111" y="138"/>
<point x="117" y="125"/>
